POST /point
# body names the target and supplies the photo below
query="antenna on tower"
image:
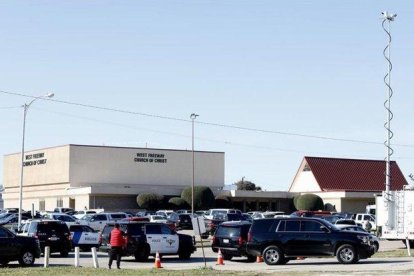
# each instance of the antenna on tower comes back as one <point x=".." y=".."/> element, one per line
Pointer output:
<point x="387" y="18"/>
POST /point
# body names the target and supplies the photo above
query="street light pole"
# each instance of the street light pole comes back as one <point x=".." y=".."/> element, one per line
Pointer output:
<point x="193" y="116"/>
<point x="25" y="110"/>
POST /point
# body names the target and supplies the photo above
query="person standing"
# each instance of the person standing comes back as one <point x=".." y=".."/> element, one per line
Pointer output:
<point x="116" y="240"/>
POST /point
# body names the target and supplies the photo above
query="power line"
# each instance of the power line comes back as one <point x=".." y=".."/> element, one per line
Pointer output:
<point x="207" y="123"/>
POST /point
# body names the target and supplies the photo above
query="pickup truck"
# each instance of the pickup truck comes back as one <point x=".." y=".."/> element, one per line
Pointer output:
<point x="367" y="220"/>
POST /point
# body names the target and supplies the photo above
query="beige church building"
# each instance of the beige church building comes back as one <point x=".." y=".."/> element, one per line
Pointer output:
<point x="81" y="176"/>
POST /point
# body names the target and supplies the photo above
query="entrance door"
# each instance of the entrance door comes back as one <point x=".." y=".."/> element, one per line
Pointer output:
<point x="72" y="203"/>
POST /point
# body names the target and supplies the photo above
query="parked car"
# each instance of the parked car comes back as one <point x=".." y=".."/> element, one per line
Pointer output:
<point x="157" y="218"/>
<point x="279" y="240"/>
<point x="259" y="215"/>
<point x="165" y="213"/>
<point x="210" y="214"/>
<point x="53" y="233"/>
<point x="11" y="218"/>
<point x="231" y="238"/>
<point x="82" y="213"/>
<point x="98" y="221"/>
<point x="69" y="220"/>
<point x="181" y="221"/>
<point x="15" y="248"/>
<point x="358" y="228"/>
<point x="146" y="238"/>
<point x="84" y="237"/>
<point x="63" y="210"/>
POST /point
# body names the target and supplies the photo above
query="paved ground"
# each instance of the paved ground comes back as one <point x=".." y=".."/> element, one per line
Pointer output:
<point x="402" y="265"/>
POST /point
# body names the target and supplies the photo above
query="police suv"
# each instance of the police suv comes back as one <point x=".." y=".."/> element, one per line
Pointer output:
<point x="84" y="237"/>
<point x="143" y="239"/>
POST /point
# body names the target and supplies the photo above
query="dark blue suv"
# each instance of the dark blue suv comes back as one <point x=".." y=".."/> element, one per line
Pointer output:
<point x="282" y="239"/>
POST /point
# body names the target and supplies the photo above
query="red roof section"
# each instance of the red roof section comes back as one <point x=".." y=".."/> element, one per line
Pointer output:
<point x="354" y="174"/>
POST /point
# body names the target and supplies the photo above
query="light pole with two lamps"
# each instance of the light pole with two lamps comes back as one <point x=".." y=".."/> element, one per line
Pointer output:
<point x="25" y="110"/>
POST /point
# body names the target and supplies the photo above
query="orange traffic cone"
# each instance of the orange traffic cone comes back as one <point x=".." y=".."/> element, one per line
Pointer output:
<point x="220" y="260"/>
<point x="157" y="263"/>
<point x="259" y="259"/>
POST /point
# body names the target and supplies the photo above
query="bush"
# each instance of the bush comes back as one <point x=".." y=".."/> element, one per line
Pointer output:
<point x="203" y="197"/>
<point x="309" y="202"/>
<point x="222" y="201"/>
<point x="178" y="203"/>
<point x="150" y="201"/>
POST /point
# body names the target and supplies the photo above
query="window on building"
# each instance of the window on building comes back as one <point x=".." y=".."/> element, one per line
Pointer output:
<point x="42" y="205"/>
<point x="59" y="202"/>
<point x="306" y="168"/>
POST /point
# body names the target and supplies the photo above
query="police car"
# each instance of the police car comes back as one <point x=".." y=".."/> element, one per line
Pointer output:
<point x="84" y="237"/>
<point x="144" y="239"/>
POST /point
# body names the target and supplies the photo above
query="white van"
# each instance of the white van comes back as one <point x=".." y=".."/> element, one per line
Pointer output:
<point x="98" y="221"/>
<point x="214" y="212"/>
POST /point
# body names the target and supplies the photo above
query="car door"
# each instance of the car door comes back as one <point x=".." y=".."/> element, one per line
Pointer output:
<point x="8" y="247"/>
<point x="315" y="241"/>
<point x="98" y="222"/>
<point x="291" y="238"/>
<point x="89" y="236"/>
<point x="170" y="241"/>
<point x="154" y="237"/>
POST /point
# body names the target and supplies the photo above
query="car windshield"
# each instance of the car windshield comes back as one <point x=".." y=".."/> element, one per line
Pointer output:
<point x="330" y="225"/>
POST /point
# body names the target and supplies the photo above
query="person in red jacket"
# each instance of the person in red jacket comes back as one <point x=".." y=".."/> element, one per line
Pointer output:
<point x="116" y="240"/>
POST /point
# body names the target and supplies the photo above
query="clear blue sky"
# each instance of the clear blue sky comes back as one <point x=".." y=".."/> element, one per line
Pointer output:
<point x="307" y="67"/>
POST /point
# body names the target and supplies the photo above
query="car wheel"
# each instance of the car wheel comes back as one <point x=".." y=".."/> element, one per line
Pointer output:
<point x="376" y="247"/>
<point x="27" y="258"/>
<point x="273" y="255"/>
<point x="251" y="258"/>
<point x="347" y="254"/>
<point x="184" y="255"/>
<point x="142" y="254"/>
<point x="227" y="257"/>
<point x="64" y="253"/>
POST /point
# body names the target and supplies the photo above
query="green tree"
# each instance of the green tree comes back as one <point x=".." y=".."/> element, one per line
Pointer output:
<point x="203" y="197"/>
<point x="150" y="201"/>
<point x="177" y="203"/>
<point x="246" y="185"/>
<point x="222" y="201"/>
<point x="310" y="202"/>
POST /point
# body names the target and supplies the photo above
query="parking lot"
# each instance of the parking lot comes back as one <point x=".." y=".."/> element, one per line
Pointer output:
<point x="393" y="265"/>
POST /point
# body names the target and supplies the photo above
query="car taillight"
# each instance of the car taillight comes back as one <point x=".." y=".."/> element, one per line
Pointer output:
<point x="69" y="237"/>
<point x="212" y="225"/>
<point x="126" y="240"/>
<point x="36" y="235"/>
<point x="249" y="236"/>
<point x="100" y="237"/>
<point x="241" y="241"/>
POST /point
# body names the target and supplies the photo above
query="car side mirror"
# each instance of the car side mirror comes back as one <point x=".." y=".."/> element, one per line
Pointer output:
<point x="324" y="229"/>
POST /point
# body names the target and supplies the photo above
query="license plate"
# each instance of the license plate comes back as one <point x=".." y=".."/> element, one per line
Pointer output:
<point x="226" y="241"/>
<point x="53" y="238"/>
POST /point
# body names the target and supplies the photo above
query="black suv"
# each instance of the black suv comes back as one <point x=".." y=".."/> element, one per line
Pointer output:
<point x="53" y="233"/>
<point x="279" y="240"/>
<point x="12" y="248"/>
<point x="143" y="239"/>
<point x="231" y="238"/>
<point x="181" y="221"/>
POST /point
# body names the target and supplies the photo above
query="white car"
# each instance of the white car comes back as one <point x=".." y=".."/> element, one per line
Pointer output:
<point x="69" y="220"/>
<point x="84" y="237"/>
<point x="165" y="213"/>
<point x="157" y="218"/>
<point x="98" y="221"/>
<point x="82" y="213"/>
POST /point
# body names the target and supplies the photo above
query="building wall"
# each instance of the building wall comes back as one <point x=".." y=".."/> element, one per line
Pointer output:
<point x="304" y="182"/>
<point x="120" y="166"/>
<point x="114" y="176"/>
<point x="355" y="205"/>
<point x="45" y="166"/>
